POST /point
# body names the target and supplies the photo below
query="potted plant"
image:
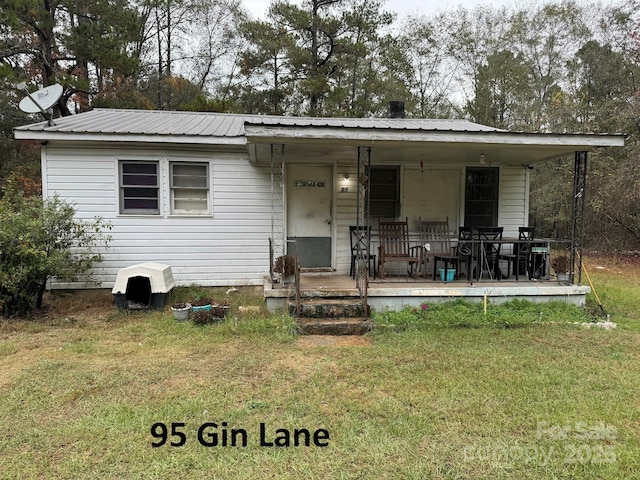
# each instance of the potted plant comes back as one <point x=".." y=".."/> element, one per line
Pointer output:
<point x="181" y="311"/>
<point x="560" y="266"/>
<point x="219" y="311"/>
<point x="213" y="314"/>
<point x="285" y="265"/>
<point x="201" y="301"/>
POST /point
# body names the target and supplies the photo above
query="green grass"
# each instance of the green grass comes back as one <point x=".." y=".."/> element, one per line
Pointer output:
<point x="448" y="393"/>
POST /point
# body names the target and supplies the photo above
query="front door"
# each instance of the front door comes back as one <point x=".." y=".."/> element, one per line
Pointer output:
<point x="309" y="214"/>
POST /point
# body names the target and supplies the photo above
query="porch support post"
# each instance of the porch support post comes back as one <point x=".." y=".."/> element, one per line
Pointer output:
<point x="579" y="192"/>
<point x="278" y="239"/>
<point x="362" y="208"/>
<point x="362" y="220"/>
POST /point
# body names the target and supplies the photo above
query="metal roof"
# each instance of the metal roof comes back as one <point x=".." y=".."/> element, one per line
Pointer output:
<point x="145" y="122"/>
<point x="236" y="130"/>
<point x="199" y="124"/>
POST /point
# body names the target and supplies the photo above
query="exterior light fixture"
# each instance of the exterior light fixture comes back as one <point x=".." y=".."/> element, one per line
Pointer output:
<point x="482" y="160"/>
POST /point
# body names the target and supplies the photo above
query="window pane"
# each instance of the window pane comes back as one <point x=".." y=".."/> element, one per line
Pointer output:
<point x="481" y="197"/>
<point x="139" y="167"/>
<point x="189" y="188"/>
<point x="130" y="192"/>
<point x="189" y="181"/>
<point x="150" y="180"/>
<point x="139" y="190"/>
<point x="188" y="169"/>
<point x="191" y="200"/>
<point x="384" y="191"/>
<point x="140" y="204"/>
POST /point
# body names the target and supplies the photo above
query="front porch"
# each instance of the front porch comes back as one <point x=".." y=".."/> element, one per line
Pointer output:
<point x="398" y="292"/>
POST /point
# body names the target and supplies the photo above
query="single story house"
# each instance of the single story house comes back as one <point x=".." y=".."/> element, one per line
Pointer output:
<point x="208" y="193"/>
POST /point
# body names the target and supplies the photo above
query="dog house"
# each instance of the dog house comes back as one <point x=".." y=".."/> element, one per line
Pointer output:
<point x="143" y="286"/>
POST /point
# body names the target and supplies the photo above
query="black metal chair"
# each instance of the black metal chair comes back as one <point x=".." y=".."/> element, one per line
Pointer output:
<point x="521" y="256"/>
<point x="360" y="238"/>
<point x="524" y="251"/>
<point x="490" y="241"/>
<point x="466" y="250"/>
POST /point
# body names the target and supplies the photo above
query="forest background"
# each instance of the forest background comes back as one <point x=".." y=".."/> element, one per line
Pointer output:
<point x="548" y="67"/>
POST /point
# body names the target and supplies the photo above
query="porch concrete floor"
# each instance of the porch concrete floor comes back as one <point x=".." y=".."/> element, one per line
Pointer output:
<point x="398" y="292"/>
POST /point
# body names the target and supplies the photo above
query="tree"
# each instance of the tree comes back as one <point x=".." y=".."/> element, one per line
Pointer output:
<point x="472" y="39"/>
<point x="425" y="44"/>
<point x="546" y="38"/>
<point x="323" y="57"/>
<point x="367" y="67"/>
<point x="604" y="84"/>
<point x="316" y="29"/>
<point x="265" y="64"/>
<point x="501" y="88"/>
<point x="40" y="240"/>
<point x="82" y="46"/>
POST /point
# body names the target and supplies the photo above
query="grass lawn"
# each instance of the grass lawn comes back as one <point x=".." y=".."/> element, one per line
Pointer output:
<point x="427" y="395"/>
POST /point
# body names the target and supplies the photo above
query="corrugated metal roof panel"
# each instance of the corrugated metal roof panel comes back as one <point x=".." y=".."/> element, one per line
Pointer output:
<point x="205" y="127"/>
<point x="146" y="122"/>
<point x="157" y="122"/>
<point x="376" y="123"/>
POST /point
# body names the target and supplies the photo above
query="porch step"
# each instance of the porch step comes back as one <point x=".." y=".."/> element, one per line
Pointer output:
<point x="334" y="326"/>
<point x="327" y="308"/>
<point x="332" y="316"/>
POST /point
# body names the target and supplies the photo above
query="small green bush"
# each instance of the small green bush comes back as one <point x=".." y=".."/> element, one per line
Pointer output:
<point x="39" y="240"/>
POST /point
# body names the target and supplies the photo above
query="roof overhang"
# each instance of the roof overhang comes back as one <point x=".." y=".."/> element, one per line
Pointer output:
<point x="47" y="136"/>
<point x="310" y="138"/>
<point x="432" y="146"/>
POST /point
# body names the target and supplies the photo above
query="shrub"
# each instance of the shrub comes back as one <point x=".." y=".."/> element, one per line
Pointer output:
<point x="39" y="240"/>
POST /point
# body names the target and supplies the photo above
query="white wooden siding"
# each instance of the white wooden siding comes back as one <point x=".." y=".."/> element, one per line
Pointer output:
<point x="229" y="247"/>
<point x="512" y="207"/>
<point x="345" y="214"/>
<point x="512" y="200"/>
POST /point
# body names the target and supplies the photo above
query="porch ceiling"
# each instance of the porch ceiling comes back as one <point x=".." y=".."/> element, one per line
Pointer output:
<point x="429" y="141"/>
<point x="438" y="152"/>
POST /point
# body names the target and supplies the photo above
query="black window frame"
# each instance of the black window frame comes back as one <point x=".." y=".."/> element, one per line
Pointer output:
<point x="481" y="196"/>
<point x="384" y="191"/>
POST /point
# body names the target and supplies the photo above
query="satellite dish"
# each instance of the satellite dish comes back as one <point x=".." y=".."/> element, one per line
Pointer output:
<point x="41" y="100"/>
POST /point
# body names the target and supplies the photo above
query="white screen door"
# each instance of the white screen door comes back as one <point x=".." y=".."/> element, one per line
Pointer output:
<point x="309" y="214"/>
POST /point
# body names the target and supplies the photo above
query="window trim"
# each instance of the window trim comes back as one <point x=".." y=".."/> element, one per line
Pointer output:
<point x="173" y="211"/>
<point x="154" y="212"/>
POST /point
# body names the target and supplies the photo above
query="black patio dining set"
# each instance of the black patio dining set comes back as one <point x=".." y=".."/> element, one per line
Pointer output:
<point x="435" y="253"/>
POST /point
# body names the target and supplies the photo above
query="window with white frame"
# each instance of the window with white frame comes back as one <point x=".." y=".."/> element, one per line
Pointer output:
<point x="139" y="188"/>
<point x="189" y="188"/>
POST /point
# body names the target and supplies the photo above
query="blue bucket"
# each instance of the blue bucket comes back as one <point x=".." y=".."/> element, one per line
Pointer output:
<point x="201" y="308"/>
<point x="451" y="272"/>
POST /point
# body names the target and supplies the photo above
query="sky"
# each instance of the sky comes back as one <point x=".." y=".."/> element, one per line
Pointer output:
<point x="401" y="7"/>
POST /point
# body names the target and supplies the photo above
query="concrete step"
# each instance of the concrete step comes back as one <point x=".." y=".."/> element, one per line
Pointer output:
<point x="325" y="308"/>
<point x="334" y="326"/>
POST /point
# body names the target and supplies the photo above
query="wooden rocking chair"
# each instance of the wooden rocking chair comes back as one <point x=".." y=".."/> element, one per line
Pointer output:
<point x="394" y="246"/>
<point x="436" y="246"/>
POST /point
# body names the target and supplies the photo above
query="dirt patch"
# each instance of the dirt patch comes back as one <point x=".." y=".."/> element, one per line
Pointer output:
<point x="307" y="341"/>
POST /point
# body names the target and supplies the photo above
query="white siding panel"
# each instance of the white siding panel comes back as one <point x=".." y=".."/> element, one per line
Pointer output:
<point x="231" y="247"/>
<point x="512" y="201"/>
<point x="345" y="215"/>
